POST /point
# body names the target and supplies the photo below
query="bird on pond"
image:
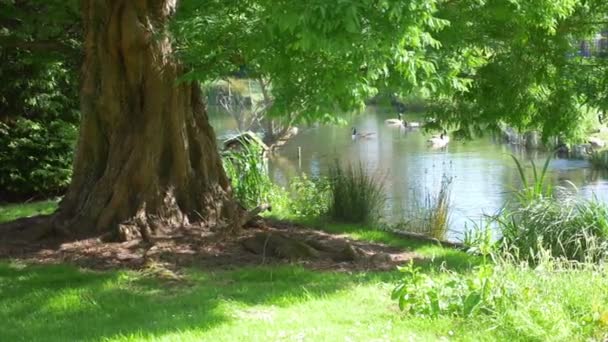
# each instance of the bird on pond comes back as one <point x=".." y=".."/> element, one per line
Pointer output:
<point x="395" y="122"/>
<point x="355" y="134"/>
<point x="439" y="141"/>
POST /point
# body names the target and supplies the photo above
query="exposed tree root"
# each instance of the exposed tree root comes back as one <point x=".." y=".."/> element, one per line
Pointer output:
<point x="201" y="247"/>
<point x="282" y="246"/>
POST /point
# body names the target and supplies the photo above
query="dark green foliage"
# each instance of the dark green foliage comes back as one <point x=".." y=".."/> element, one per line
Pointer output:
<point x="525" y="66"/>
<point x="39" y="54"/>
<point x="356" y="195"/>
<point x="35" y="157"/>
<point x="38" y="127"/>
<point x="320" y="58"/>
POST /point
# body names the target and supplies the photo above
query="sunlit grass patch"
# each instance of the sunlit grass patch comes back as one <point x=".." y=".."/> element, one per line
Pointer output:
<point x="12" y="212"/>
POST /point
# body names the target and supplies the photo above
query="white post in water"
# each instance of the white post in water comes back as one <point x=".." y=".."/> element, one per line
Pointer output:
<point x="300" y="156"/>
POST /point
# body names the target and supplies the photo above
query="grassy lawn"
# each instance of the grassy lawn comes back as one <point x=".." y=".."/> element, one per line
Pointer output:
<point x="14" y="211"/>
<point x="287" y="303"/>
<point x="62" y="303"/>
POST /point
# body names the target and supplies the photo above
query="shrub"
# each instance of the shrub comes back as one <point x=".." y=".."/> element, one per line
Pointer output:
<point x="38" y="124"/>
<point x="556" y="301"/>
<point x="35" y="157"/>
<point x="452" y="294"/>
<point x="309" y="197"/>
<point x="356" y="196"/>
<point x="246" y="169"/>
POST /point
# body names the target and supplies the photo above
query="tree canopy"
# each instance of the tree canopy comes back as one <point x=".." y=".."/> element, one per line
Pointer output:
<point x="481" y="63"/>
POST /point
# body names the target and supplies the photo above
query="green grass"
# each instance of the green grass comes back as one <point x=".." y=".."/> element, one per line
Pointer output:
<point x="12" y="212"/>
<point x="271" y="303"/>
<point x="433" y="256"/>
<point x="61" y="303"/>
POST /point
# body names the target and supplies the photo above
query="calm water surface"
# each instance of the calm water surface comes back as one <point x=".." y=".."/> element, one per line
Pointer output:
<point x="483" y="174"/>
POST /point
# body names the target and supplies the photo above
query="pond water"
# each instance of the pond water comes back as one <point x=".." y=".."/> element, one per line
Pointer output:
<point x="484" y="177"/>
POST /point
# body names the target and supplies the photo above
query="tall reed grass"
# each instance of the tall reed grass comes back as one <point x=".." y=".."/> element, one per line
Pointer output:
<point x="356" y="195"/>
<point x="246" y="169"/>
<point x="565" y="226"/>
<point x="599" y="159"/>
<point x="429" y="213"/>
<point x="536" y="189"/>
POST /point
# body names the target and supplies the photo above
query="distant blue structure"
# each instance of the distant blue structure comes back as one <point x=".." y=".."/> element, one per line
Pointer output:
<point x="596" y="47"/>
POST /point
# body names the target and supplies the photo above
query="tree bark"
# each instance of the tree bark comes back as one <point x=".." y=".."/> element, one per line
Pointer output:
<point x="146" y="161"/>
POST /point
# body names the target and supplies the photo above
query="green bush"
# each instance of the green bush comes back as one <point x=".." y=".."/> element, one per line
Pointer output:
<point x="356" y="196"/>
<point x="309" y="197"/>
<point x="246" y="169"/>
<point x="35" y="157"/>
<point x="38" y="124"/>
<point x="452" y="294"/>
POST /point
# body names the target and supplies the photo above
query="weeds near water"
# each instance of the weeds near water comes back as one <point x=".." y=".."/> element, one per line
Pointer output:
<point x="556" y="300"/>
<point x="538" y="188"/>
<point x="482" y="292"/>
<point x="246" y="170"/>
<point x="480" y="240"/>
<point x="430" y="215"/>
<point x="356" y="195"/>
<point x="571" y="228"/>
<point x="309" y="197"/>
<point x="565" y="226"/>
<point x="599" y="159"/>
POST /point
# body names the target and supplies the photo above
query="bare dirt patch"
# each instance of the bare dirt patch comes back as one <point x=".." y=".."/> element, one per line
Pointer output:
<point x="202" y="248"/>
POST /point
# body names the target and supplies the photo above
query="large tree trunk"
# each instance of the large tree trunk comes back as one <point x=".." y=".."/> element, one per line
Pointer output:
<point x="146" y="160"/>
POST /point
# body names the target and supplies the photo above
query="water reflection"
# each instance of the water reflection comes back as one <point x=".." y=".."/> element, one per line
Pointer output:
<point x="484" y="175"/>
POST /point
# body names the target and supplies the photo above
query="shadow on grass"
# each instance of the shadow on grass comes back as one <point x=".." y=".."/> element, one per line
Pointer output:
<point x="63" y="303"/>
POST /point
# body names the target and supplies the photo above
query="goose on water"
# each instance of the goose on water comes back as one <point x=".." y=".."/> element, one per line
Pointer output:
<point x="356" y="134"/>
<point x="439" y="141"/>
<point x="395" y="122"/>
<point x="400" y="122"/>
